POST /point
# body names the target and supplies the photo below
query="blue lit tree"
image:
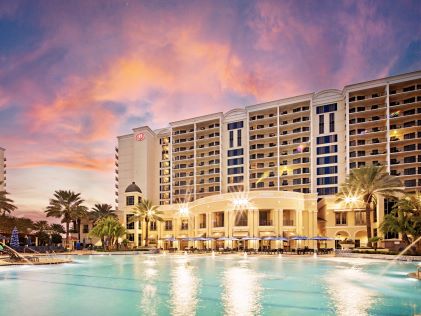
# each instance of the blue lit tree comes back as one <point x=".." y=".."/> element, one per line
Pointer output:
<point x="14" y="240"/>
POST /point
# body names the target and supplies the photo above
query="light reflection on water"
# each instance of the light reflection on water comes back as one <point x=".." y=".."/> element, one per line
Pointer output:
<point x="242" y="291"/>
<point x="348" y="296"/>
<point x="184" y="289"/>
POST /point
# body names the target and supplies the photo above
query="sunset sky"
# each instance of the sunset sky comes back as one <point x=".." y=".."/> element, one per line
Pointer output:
<point x="75" y="74"/>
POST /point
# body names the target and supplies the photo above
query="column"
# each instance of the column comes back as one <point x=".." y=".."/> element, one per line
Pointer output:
<point x="136" y="234"/>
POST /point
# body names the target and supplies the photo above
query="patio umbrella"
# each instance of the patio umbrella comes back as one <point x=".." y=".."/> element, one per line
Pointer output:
<point x="170" y="239"/>
<point x="281" y="238"/>
<point x="14" y="240"/>
<point x="187" y="239"/>
<point x="200" y="239"/>
<point x="319" y="238"/>
<point x="250" y="238"/>
<point x="223" y="238"/>
<point x="299" y="238"/>
<point x="270" y="238"/>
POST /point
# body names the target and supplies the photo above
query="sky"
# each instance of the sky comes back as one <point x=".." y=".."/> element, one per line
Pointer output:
<point x="76" y="74"/>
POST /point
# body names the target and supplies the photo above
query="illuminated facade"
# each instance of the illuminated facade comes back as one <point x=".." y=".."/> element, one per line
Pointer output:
<point x="299" y="148"/>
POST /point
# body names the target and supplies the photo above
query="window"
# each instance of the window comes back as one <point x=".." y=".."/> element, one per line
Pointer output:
<point x="218" y="219"/>
<point x="327" y="160"/>
<point x="237" y="179"/>
<point x="360" y="218"/>
<point x="236" y="170"/>
<point x="235" y="152"/>
<point x="85" y="229"/>
<point x="235" y="161"/>
<point x="239" y="137"/>
<point x="327" y="139"/>
<point x="152" y="226"/>
<point x="235" y="125"/>
<point x="129" y="222"/>
<point x="388" y="205"/>
<point x="231" y="138"/>
<point x="326" y="108"/>
<point x="327" y="180"/>
<point x="340" y="218"/>
<point x="327" y="170"/>
<point x="321" y="124"/>
<point x="129" y="200"/>
<point x="168" y="225"/>
<point x="184" y="224"/>
<point x="241" y="219"/>
<point x="327" y="149"/>
<point x="327" y="191"/>
<point x="331" y="122"/>
<point x="264" y="218"/>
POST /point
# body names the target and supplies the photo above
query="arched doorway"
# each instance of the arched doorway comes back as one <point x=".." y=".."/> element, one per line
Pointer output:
<point x="360" y="239"/>
<point x="340" y="236"/>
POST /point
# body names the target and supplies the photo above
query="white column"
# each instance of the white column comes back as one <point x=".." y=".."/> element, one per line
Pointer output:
<point x="136" y="233"/>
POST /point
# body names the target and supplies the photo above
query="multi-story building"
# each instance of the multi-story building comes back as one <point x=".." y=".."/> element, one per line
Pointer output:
<point x="2" y="169"/>
<point x="281" y="161"/>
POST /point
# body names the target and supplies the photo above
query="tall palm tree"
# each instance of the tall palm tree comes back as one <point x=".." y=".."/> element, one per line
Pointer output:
<point x="66" y="205"/>
<point x="100" y="211"/>
<point x="146" y="211"/>
<point x="364" y="184"/>
<point x="6" y="204"/>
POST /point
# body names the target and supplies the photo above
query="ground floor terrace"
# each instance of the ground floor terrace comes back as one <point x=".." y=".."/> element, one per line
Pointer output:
<point x="232" y="220"/>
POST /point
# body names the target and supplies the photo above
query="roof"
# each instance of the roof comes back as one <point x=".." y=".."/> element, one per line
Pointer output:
<point x="133" y="187"/>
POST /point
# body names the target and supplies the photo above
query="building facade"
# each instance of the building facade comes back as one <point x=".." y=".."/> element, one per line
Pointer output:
<point x="294" y="150"/>
<point x="2" y="169"/>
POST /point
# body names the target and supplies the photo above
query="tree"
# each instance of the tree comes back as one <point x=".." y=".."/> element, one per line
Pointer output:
<point x="6" y="204"/>
<point x="146" y="211"/>
<point x="41" y="228"/>
<point x="108" y="228"/>
<point x="66" y="205"/>
<point x="405" y="218"/>
<point x="7" y="223"/>
<point x="363" y="184"/>
<point x="57" y="228"/>
<point x="100" y="211"/>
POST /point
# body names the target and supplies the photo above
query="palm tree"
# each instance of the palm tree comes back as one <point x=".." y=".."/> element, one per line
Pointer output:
<point x="100" y="211"/>
<point x="66" y="205"/>
<point x="6" y="204"/>
<point x="42" y="227"/>
<point x="405" y="218"/>
<point x="108" y="228"/>
<point x="363" y="184"/>
<point x="146" y="211"/>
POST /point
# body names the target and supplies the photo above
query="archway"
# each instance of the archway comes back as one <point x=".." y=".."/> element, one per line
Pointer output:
<point x="360" y="239"/>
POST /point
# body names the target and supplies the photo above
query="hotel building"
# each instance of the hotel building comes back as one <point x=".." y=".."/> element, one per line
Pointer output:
<point x="272" y="169"/>
<point x="2" y="169"/>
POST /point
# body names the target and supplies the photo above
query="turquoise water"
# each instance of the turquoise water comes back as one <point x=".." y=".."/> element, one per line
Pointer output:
<point x="224" y="285"/>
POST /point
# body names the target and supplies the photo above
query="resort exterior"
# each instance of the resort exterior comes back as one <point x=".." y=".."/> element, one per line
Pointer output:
<point x="2" y="169"/>
<point x="272" y="169"/>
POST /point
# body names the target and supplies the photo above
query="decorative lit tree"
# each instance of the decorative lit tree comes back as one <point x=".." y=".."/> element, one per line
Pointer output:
<point x="14" y="239"/>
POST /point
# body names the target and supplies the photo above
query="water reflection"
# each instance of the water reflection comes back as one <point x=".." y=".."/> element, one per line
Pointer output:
<point x="184" y="289"/>
<point x="242" y="291"/>
<point x="349" y="293"/>
<point x="149" y="299"/>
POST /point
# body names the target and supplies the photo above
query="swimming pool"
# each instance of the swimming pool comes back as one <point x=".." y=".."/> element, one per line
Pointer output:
<point x="197" y="285"/>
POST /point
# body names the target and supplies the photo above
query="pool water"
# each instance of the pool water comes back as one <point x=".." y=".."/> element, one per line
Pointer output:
<point x="205" y="285"/>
